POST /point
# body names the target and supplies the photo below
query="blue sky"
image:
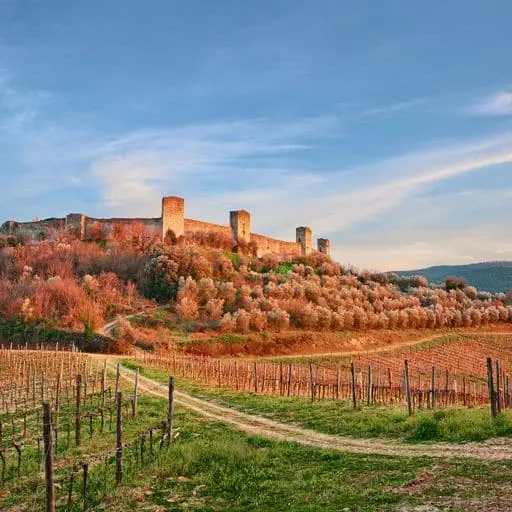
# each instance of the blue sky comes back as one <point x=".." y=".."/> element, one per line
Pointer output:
<point x="385" y="126"/>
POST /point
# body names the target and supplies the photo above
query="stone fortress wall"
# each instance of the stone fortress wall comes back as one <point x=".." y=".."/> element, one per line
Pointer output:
<point x="172" y="219"/>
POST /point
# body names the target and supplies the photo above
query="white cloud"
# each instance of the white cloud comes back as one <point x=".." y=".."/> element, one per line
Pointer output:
<point x="205" y="164"/>
<point x="464" y="226"/>
<point x="230" y="158"/>
<point x="365" y="193"/>
<point x="498" y="104"/>
<point x="410" y="249"/>
<point x="391" y="108"/>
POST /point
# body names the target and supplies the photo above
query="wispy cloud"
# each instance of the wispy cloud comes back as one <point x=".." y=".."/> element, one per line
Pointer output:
<point x="240" y="155"/>
<point x="349" y="197"/>
<point x="250" y="164"/>
<point x="433" y="230"/>
<point x="498" y="104"/>
<point x="383" y="110"/>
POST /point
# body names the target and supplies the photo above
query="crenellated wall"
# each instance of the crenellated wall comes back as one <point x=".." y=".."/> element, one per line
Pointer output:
<point x="199" y="226"/>
<point x="37" y="229"/>
<point x="266" y="245"/>
<point x="172" y="219"/>
<point x="119" y="227"/>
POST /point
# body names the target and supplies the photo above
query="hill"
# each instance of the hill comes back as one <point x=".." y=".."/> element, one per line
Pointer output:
<point x="491" y="276"/>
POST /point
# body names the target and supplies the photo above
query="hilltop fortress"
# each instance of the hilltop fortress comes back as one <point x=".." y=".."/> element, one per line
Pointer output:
<point x="172" y="220"/>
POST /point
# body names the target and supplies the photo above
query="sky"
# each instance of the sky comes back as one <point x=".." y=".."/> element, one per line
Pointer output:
<point x="384" y="126"/>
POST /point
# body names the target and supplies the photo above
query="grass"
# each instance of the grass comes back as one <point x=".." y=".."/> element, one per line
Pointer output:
<point x="211" y="467"/>
<point x="337" y="417"/>
<point x="29" y="488"/>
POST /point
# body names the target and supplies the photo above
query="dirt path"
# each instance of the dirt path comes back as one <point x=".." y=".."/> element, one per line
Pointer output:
<point x="257" y="425"/>
<point x="373" y="350"/>
<point x="107" y="329"/>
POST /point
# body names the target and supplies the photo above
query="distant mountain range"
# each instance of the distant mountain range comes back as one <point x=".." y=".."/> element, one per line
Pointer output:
<point x="490" y="276"/>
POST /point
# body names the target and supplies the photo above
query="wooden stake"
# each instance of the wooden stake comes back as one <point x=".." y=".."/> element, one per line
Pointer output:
<point x="407" y="387"/>
<point x="369" y="384"/>
<point x="118" y="375"/>
<point x="311" y="382"/>
<point x="498" y="387"/>
<point x="135" y="393"/>
<point x="490" y="386"/>
<point x="48" y="458"/>
<point x="353" y="376"/>
<point x="433" y="389"/>
<point x="77" y="410"/>
<point x="119" y="439"/>
<point x="170" y="411"/>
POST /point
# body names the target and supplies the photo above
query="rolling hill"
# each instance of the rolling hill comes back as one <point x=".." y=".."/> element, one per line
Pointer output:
<point x="491" y="276"/>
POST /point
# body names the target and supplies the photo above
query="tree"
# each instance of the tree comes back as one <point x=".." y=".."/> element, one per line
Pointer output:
<point x="454" y="283"/>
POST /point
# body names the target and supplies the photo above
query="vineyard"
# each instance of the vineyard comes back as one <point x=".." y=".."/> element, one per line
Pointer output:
<point x="450" y="372"/>
<point x="73" y="427"/>
<point x="73" y="416"/>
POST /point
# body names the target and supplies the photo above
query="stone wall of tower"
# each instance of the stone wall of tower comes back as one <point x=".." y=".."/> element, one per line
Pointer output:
<point x="266" y="245"/>
<point x="119" y="228"/>
<point x="173" y="215"/>
<point x="75" y="224"/>
<point x="37" y="229"/>
<point x="303" y="236"/>
<point x="240" y="222"/>
<point x="199" y="226"/>
<point x="324" y="246"/>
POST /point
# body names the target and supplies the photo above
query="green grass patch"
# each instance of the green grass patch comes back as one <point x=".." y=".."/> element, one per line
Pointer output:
<point x="212" y="467"/>
<point x="28" y="490"/>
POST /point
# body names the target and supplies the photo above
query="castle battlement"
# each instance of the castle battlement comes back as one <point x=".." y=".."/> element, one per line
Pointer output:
<point x="172" y="220"/>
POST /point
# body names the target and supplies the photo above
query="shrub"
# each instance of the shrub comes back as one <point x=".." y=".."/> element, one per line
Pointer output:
<point x="427" y="430"/>
<point x="454" y="283"/>
<point x="214" y="309"/>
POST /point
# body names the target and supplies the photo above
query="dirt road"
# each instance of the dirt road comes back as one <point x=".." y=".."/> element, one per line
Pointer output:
<point x="257" y="425"/>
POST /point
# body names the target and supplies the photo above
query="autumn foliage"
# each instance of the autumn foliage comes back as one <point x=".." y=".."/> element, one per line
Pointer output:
<point x="81" y="285"/>
<point x="311" y="293"/>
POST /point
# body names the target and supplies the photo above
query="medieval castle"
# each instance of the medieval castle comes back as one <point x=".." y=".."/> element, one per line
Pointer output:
<point x="173" y="219"/>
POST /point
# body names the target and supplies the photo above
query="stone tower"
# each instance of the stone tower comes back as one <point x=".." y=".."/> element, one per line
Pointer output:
<point x="303" y="234"/>
<point x="75" y="224"/>
<point x="324" y="246"/>
<point x="173" y="215"/>
<point x="240" y="221"/>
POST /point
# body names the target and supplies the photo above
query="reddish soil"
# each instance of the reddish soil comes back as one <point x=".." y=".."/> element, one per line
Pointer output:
<point x="306" y="343"/>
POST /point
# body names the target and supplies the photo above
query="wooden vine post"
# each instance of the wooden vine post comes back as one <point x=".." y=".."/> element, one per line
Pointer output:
<point x="255" y="377"/>
<point x="498" y="387"/>
<point x="353" y="381"/>
<point x="490" y="386"/>
<point x="118" y="374"/>
<point x="433" y="389"/>
<point x="48" y="458"/>
<point x="135" y="393"/>
<point x="407" y="387"/>
<point x="103" y="383"/>
<point x="119" y="438"/>
<point x="170" y="411"/>
<point x="369" y="383"/>
<point x="311" y="382"/>
<point x="77" y="410"/>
